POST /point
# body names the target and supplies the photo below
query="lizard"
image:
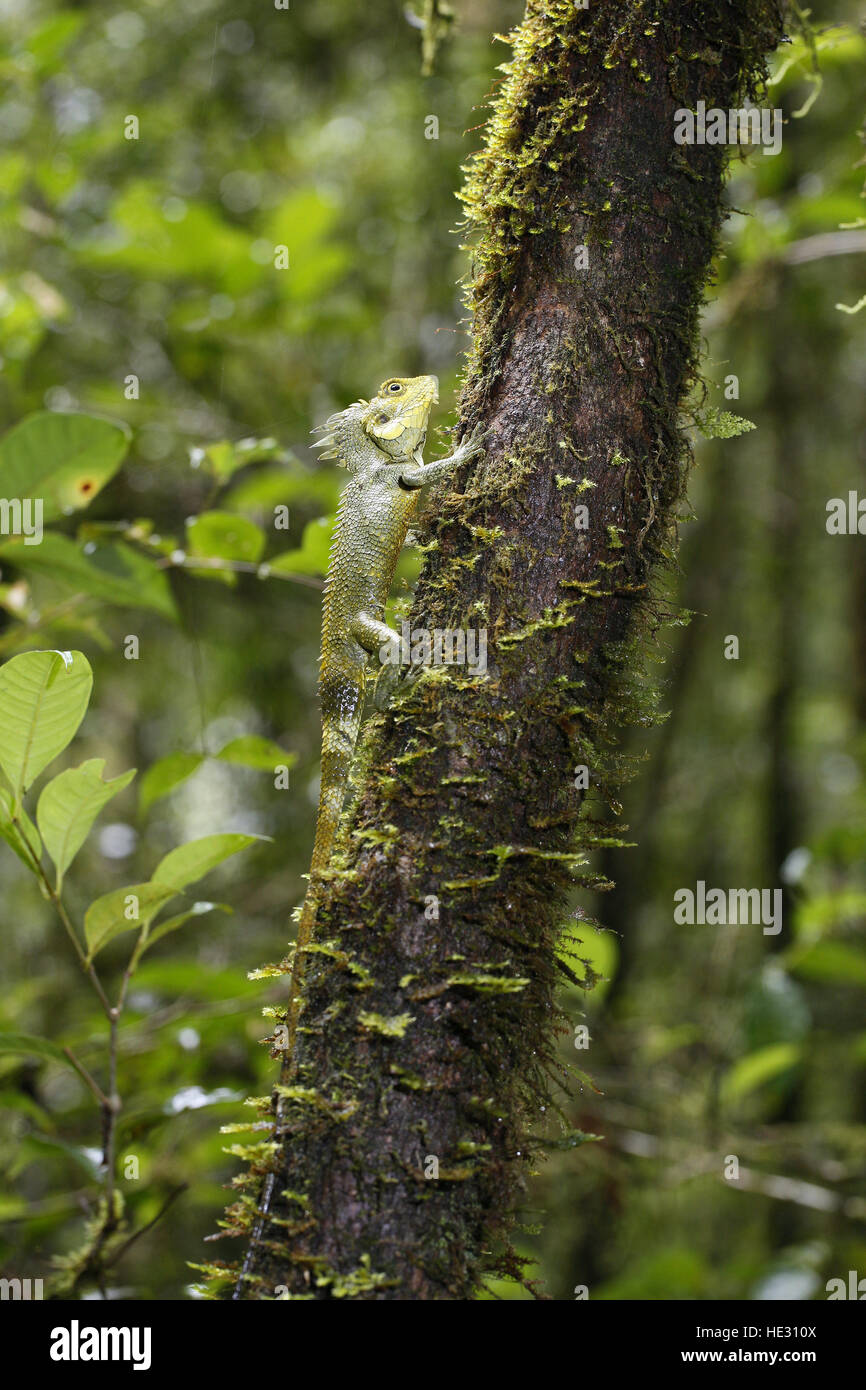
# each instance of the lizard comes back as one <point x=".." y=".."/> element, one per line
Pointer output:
<point x="380" y="442"/>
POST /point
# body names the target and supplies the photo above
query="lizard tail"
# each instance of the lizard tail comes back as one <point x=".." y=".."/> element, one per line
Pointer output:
<point x="338" y="748"/>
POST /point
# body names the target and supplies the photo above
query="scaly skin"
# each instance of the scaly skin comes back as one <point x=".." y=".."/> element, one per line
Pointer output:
<point x="380" y="442"/>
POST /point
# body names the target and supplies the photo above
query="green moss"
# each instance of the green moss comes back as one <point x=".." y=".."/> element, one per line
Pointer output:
<point x="393" y="1027"/>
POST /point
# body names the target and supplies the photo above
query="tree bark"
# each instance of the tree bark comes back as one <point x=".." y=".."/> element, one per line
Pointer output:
<point x="428" y="1035"/>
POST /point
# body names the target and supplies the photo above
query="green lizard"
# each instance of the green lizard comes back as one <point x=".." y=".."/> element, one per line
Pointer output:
<point x="380" y="443"/>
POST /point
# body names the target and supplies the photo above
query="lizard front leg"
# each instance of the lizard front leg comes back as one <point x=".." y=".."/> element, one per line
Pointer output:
<point x="424" y="473"/>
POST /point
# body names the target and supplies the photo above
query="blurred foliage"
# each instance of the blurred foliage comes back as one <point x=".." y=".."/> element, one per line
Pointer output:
<point x="277" y="235"/>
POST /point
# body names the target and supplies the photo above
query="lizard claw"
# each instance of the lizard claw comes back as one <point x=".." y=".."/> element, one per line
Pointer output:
<point x="470" y="447"/>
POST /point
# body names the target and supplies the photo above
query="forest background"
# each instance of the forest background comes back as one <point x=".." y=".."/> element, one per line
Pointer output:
<point x="153" y="259"/>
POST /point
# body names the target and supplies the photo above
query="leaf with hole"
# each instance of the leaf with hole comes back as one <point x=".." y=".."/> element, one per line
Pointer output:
<point x="63" y="458"/>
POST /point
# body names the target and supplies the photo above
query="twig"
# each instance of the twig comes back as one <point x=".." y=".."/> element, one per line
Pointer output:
<point x="181" y="560"/>
<point x="150" y="1224"/>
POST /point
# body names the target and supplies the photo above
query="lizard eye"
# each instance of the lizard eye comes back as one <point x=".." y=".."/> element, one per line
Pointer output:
<point x="395" y="388"/>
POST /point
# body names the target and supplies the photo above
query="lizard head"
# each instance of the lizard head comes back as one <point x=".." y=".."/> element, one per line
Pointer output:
<point x="396" y="418"/>
<point x="395" y="421"/>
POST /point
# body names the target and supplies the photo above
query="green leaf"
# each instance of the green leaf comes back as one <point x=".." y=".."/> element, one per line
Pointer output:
<point x="759" y="1067"/>
<point x="29" y="1046"/>
<point x="271" y="487"/>
<point x="110" y="571"/>
<point x="190" y="862"/>
<point x="43" y="697"/>
<point x="251" y="750"/>
<point x="69" y="805"/>
<point x="199" y="246"/>
<point x="108" y="916"/>
<point x="822" y="912"/>
<point x="173" y="923"/>
<point x="833" y="961"/>
<point x="163" y="776"/>
<point x="312" y="557"/>
<point x="66" y="459"/>
<point x="47" y="43"/>
<point x="317" y="262"/>
<point x="225" y="458"/>
<point x="21" y="833"/>
<point x="224" y="536"/>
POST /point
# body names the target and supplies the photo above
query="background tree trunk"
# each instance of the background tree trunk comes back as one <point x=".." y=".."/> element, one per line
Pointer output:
<point x="428" y="1034"/>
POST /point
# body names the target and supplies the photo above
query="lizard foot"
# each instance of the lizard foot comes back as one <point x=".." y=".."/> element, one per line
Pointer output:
<point x="386" y="681"/>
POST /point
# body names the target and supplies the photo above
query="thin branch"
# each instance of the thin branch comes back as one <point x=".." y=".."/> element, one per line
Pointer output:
<point x="118" y="1254"/>
<point x="180" y="560"/>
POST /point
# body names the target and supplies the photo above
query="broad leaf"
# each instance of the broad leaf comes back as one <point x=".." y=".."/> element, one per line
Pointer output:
<point x="251" y="750"/>
<point x="163" y="776"/>
<point x="115" y="913"/>
<point x="64" y="459"/>
<point x="224" y="536"/>
<point x="69" y="805"/>
<point x="43" y="698"/>
<point x="754" y="1070"/>
<point x="110" y="571"/>
<point x="199" y="246"/>
<point x="312" y="556"/>
<point x="192" y="861"/>
<point x="272" y="487"/>
<point x="832" y="961"/>
<point x="225" y="458"/>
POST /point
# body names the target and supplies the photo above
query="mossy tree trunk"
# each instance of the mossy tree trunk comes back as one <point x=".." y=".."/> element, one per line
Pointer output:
<point x="427" y="1052"/>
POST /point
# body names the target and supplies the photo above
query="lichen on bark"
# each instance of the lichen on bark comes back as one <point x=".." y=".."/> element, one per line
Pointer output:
<point x="427" y="1053"/>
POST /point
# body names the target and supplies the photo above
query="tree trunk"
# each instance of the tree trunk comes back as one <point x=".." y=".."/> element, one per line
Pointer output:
<point x="427" y="1048"/>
